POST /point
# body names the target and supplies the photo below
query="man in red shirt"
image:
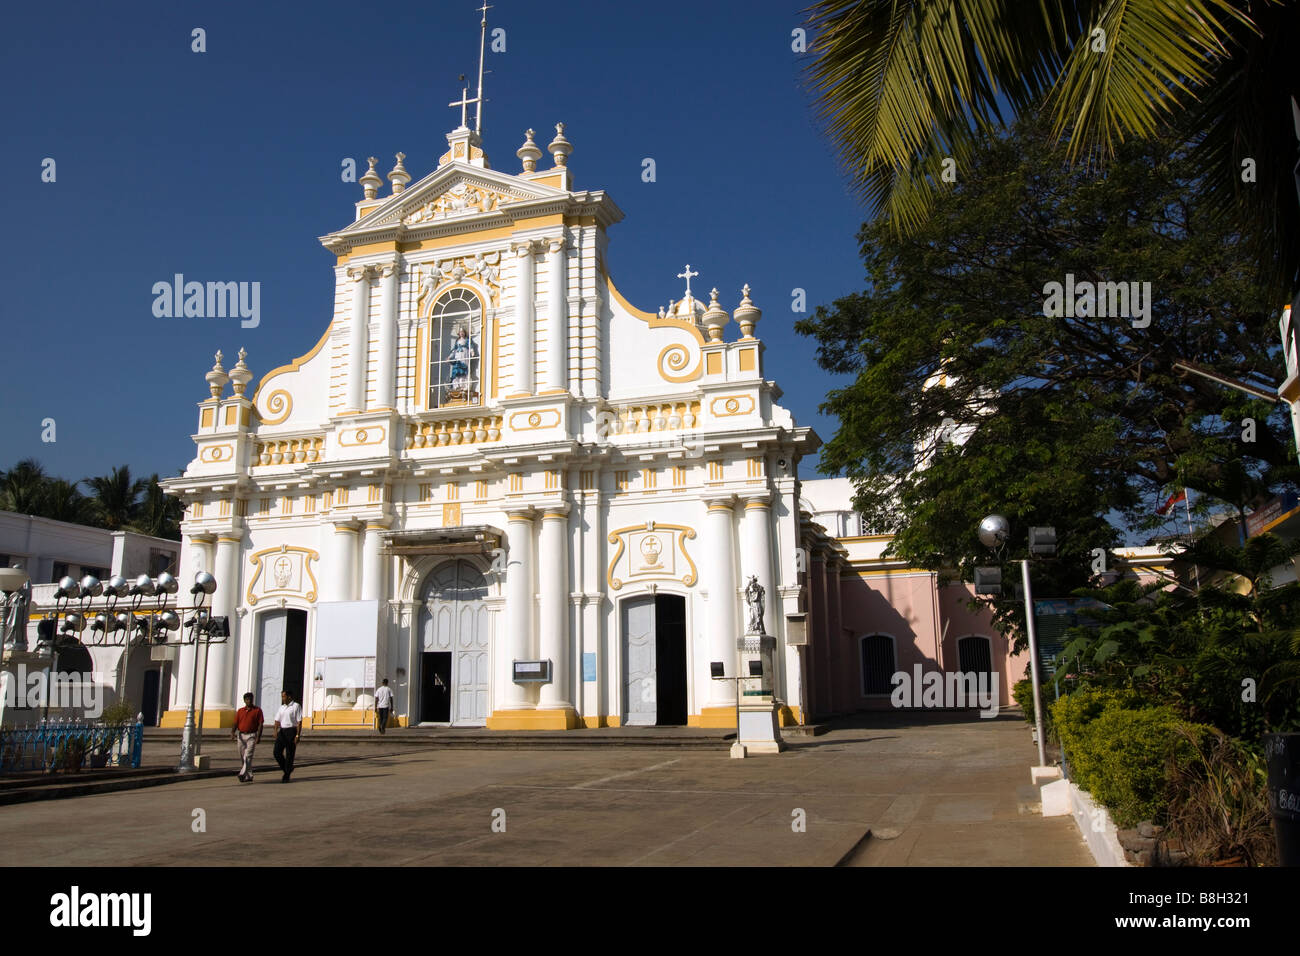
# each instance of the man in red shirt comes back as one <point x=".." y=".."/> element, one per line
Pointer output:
<point x="248" y="728"/>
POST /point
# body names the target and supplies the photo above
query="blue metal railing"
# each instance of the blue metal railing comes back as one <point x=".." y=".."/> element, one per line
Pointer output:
<point x="58" y="746"/>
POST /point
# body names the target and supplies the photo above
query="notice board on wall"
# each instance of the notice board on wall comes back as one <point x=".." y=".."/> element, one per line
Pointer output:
<point x="347" y="628"/>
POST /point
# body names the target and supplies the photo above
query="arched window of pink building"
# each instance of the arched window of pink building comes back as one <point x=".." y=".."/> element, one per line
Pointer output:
<point x="879" y="661"/>
<point x="975" y="655"/>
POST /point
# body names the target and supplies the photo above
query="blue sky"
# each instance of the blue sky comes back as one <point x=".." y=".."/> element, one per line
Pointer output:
<point x="225" y="165"/>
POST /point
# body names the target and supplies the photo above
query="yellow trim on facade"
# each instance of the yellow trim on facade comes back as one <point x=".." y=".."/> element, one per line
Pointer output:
<point x="308" y="557"/>
<point x="323" y="718"/>
<point x="294" y="365"/>
<point x="653" y="320"/>
<point x="563" y="718"/>
<point x="212" y="719"/>
<point x="455" y="239"/>
<point x="673" y="358"/>
<point x="717" y="718"/>
<point x="684" y="534"/>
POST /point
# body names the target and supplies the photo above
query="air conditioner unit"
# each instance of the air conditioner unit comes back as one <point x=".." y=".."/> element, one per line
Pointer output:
<point x="988" y="581"/>
<point x="796" y="630"/>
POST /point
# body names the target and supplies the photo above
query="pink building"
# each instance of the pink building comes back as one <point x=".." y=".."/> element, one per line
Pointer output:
<point x="870" y="617"/>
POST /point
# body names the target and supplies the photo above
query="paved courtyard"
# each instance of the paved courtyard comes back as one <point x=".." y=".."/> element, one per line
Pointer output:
<point x="934" y="789"/>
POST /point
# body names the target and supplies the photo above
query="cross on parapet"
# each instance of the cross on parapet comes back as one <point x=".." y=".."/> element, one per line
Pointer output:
<point x="687" y="275"/>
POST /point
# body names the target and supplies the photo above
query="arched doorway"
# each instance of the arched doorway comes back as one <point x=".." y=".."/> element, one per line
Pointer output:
<point x="454" y="646"/>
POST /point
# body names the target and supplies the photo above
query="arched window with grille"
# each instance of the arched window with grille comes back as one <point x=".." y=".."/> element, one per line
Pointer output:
<point x="455" y="350"/>
<point x="878" y="665"/>
<point x="975" y="654"/>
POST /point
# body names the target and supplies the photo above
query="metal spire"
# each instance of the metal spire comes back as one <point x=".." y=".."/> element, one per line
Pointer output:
<point x="482" y="44"/>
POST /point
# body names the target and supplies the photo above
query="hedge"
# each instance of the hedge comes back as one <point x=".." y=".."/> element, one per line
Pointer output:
<point x="1119" y="751"/>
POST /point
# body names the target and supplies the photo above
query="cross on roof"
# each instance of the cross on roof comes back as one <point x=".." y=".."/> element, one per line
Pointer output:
<point x="687" y="275"/>
<point x="463" y="102"/>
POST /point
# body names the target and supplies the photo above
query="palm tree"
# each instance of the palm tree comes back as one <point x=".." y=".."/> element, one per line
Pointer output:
<point x="159" y="513"/>
<point x="65" y="502"/>
<point x="905" y="87"/>
<point x="115" y="498"/>
<point x="23" y="488"/>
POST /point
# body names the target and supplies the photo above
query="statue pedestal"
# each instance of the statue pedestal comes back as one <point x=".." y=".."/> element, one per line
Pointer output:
<point x="759" y="732"/>
<point x="757" y="726"/>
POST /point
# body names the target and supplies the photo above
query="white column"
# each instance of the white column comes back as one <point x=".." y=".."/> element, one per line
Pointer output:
<point x="525" y="317"/>
<point x="756" y="552"/>
<point x="592" y="531"/>
<point x="519" y="610"/>
<point x="386" y="360"/>
<point x="372" y="564"/>
<point x="225" y="601"/>
<point x="343" y="562"/>
<point x="196" y="556"/>
<point x="359" y="343"/>
<point x="557" y="338"/>
<point x="722" y="631"/>
<point x="553" y="583"/>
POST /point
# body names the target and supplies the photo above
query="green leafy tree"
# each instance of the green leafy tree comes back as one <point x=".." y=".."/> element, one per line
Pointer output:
<point x="159" y="513"/>
<point x="65" y="502"/>
<point x="1082" y="423"/>
<point x="909" y="89"/>
<point x="115" y="498"/>
<point x="1226" y="653"/>
<point x="23" y="488"/>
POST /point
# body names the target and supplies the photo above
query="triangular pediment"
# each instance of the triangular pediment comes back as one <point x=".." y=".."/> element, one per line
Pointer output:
<point x="453" y="193"/>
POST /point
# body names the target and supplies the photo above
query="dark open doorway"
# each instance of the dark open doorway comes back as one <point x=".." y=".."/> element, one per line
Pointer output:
<point x="152" y="689"/>
<point x="295" y="652"/>
<point x="670" y="659"/>
<point x="435" y="687"/>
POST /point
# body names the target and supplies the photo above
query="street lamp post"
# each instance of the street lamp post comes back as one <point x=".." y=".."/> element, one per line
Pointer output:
<point x="1033" y="660"/>
<point x="204" y="584"/>
<point x="993" y="533"/>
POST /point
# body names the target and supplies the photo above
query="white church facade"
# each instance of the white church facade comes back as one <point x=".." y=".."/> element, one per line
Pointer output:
<point x="494" y="481"/>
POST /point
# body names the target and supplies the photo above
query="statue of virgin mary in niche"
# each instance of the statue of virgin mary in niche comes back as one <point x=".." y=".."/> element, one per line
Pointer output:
<point x="460" y="354"/>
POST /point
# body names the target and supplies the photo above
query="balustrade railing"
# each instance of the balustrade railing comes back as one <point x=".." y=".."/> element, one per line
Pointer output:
<point x="56" y="746"/>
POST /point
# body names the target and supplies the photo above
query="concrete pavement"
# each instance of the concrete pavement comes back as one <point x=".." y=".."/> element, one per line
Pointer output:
<point x="934" y="789"/>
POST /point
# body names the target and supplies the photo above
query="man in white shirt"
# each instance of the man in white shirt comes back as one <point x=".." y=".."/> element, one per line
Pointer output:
<point x="288" y="728"/>
<point x="383" y="704"/>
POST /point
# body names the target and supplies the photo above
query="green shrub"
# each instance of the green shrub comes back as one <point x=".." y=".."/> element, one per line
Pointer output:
<point x="122" y="712"/>
<point x="1073" y="712"/>
<point x="1121" y="752"/>
<point x="1023" y="694"/>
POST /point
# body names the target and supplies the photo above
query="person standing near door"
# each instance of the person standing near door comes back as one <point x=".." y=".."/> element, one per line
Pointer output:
<point x="383" y="704"/>
<point x="248" y="730"/>
<point x="288" y="728"/>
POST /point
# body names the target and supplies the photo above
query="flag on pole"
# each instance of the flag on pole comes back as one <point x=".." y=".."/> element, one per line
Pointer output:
<point x="1173" y="500"/>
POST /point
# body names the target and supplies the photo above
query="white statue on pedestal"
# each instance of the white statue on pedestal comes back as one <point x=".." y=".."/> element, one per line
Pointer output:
<point x="754" y="604"/>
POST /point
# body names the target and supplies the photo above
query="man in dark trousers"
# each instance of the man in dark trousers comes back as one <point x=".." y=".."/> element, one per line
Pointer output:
<point x="383" y="704"/>
<point x="288" y="728"/>
<point x="248" y="730"/>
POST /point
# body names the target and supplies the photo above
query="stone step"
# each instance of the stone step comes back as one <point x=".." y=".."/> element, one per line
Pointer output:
<point x="1029" y="798"/>
<point x="458" y="740"/>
